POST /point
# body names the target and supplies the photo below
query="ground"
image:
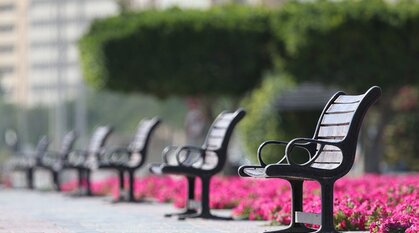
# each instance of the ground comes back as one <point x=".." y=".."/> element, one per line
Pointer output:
<point x="24" y="211"/>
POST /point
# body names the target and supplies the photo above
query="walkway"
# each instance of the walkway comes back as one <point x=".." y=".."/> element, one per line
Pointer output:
<point x="23" y="211"/>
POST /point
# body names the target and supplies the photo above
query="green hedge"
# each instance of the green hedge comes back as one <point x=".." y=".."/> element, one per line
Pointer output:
<point x="354" y="44"/>
<point x="178" y="52"/>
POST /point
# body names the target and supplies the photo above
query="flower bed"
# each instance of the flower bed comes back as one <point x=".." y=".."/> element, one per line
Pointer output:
<point x="385" y="204"/>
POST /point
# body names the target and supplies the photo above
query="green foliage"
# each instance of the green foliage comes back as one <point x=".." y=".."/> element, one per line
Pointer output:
<point x="178" y="52"/>
<point x="355" y="44"/>
<point x="262" y="119"/>
<point x="401" y="136"/>
<point x="266" y="121"/>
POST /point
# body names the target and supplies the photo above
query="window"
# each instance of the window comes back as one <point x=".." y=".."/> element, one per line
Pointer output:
<point x="6" y="70"/>
<point x="7" y="7"/>
<point x="6" y="27"/>
<point x="6" y="48"/>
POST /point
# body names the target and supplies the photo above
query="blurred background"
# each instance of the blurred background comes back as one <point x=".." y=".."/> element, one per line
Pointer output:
<point x="76" y="64"/>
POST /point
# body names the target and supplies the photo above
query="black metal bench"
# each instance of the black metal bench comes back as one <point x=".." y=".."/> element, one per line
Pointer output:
<point x="83" y="160"/>
<point x="332" y="153"/>
<point x="53" y="160"/>
<point x="202" y="162"/>
<point x="26" y="162"/>
<point x="129" y="159"/>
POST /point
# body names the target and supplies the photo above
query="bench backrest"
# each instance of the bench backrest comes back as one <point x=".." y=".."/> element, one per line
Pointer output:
<point x="340" y="122"/>
<point x="219" y="134"/>
<point x="42" y="146"/>
<point x="67" y="143"/>
<point x="139" y="144"/>
<point x="98" y="139"/>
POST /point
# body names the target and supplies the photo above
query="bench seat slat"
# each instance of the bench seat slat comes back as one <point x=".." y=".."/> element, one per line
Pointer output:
<point x="331" y="138"/>
<point x="214" y="142"/>
<point x="337" y="119"/>
<point x="349" y="99"/>
<point x="336" y="108"/>
<point x="338" y="130"/>
<point x="217" y="132"/>
<point x="329" y="157"/>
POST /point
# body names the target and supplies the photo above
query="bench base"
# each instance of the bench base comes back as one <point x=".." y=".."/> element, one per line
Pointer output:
<point x="301" y="229"/>
<point x="186" y="212"/>
<point x="204" y="216"/>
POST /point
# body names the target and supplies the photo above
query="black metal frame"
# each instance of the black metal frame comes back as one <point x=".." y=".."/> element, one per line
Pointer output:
<point x="122" y="159"/>
<point x="190" y="161"/>
<point x="84" y="161"/>
<point x="296" y="173"/>
<point x="53" y="160"/>
<point x="27" y="162"/>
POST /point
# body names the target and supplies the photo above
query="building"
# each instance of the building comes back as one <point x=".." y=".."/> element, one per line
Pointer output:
<point x="13" y="38"/>
<point x="38" y="47"/>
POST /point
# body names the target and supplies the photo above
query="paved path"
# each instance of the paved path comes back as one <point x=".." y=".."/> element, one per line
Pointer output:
<point x="23" y="211"/>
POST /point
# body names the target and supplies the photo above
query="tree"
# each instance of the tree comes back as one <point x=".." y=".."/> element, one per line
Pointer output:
<point x="201" y="53"/>
<point x="178" y="52"/>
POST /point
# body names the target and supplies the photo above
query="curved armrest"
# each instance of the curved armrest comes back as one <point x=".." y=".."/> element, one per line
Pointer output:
<point x="261" y="146"/>
<point x="188" y="150"/>
<point x="77" y="156"/>
<point x="117" y="155"/>
<point x="167" y="151"/>
<point x="51" y="157"/>
<point x="307" y="141"/>
<point x="285" y="158"/>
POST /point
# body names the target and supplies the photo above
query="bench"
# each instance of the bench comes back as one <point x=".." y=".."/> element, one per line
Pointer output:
<point x="27" y="162"/>
<point x="83" y="160"/>
<point x="53" y="160"/>
<point x="202" y="162"/>
<point x="129" y="159"/>
<point x="332" y="153"/>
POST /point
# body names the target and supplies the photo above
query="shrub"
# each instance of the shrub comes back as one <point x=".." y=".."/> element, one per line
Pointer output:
<point x="222" y="51"/>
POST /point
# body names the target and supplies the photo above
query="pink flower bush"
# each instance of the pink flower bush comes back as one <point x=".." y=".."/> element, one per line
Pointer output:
<point x="380" y="204"/>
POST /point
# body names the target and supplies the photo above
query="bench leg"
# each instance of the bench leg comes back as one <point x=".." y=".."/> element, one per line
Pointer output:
<point x="80" y="181"/>
<point x="121" y="186"/>
<point x="29" y="178"/>
<point x="297" y="205"/>
<point x="88" y="183"/>
<point x="131" y="179"/>
<point x="191" y="196"/>
<point x="56" y="180"/>
<point x="205" y="208"/>
<point x="327" y="225"/>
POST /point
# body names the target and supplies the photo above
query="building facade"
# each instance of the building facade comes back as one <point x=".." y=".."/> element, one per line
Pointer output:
<point x="13" y="49"/>
<point x="38" y="47"/>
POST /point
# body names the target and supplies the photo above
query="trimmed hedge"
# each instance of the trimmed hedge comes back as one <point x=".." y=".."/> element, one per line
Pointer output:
<point x="354" y="44"/>
<point x="178" y="52"/>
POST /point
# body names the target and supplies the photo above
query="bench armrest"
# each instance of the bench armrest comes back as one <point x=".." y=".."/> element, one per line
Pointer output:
<point x="168" y="151"/>
<point x="307" y="141"/>
<point x="188" y="150"/>
<point x="120" y="155"/>
<point x="270" y="142"/>
<point x="284" y="158"/>
<point x="51" y="156"/>
<point x="77" y="156"/>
